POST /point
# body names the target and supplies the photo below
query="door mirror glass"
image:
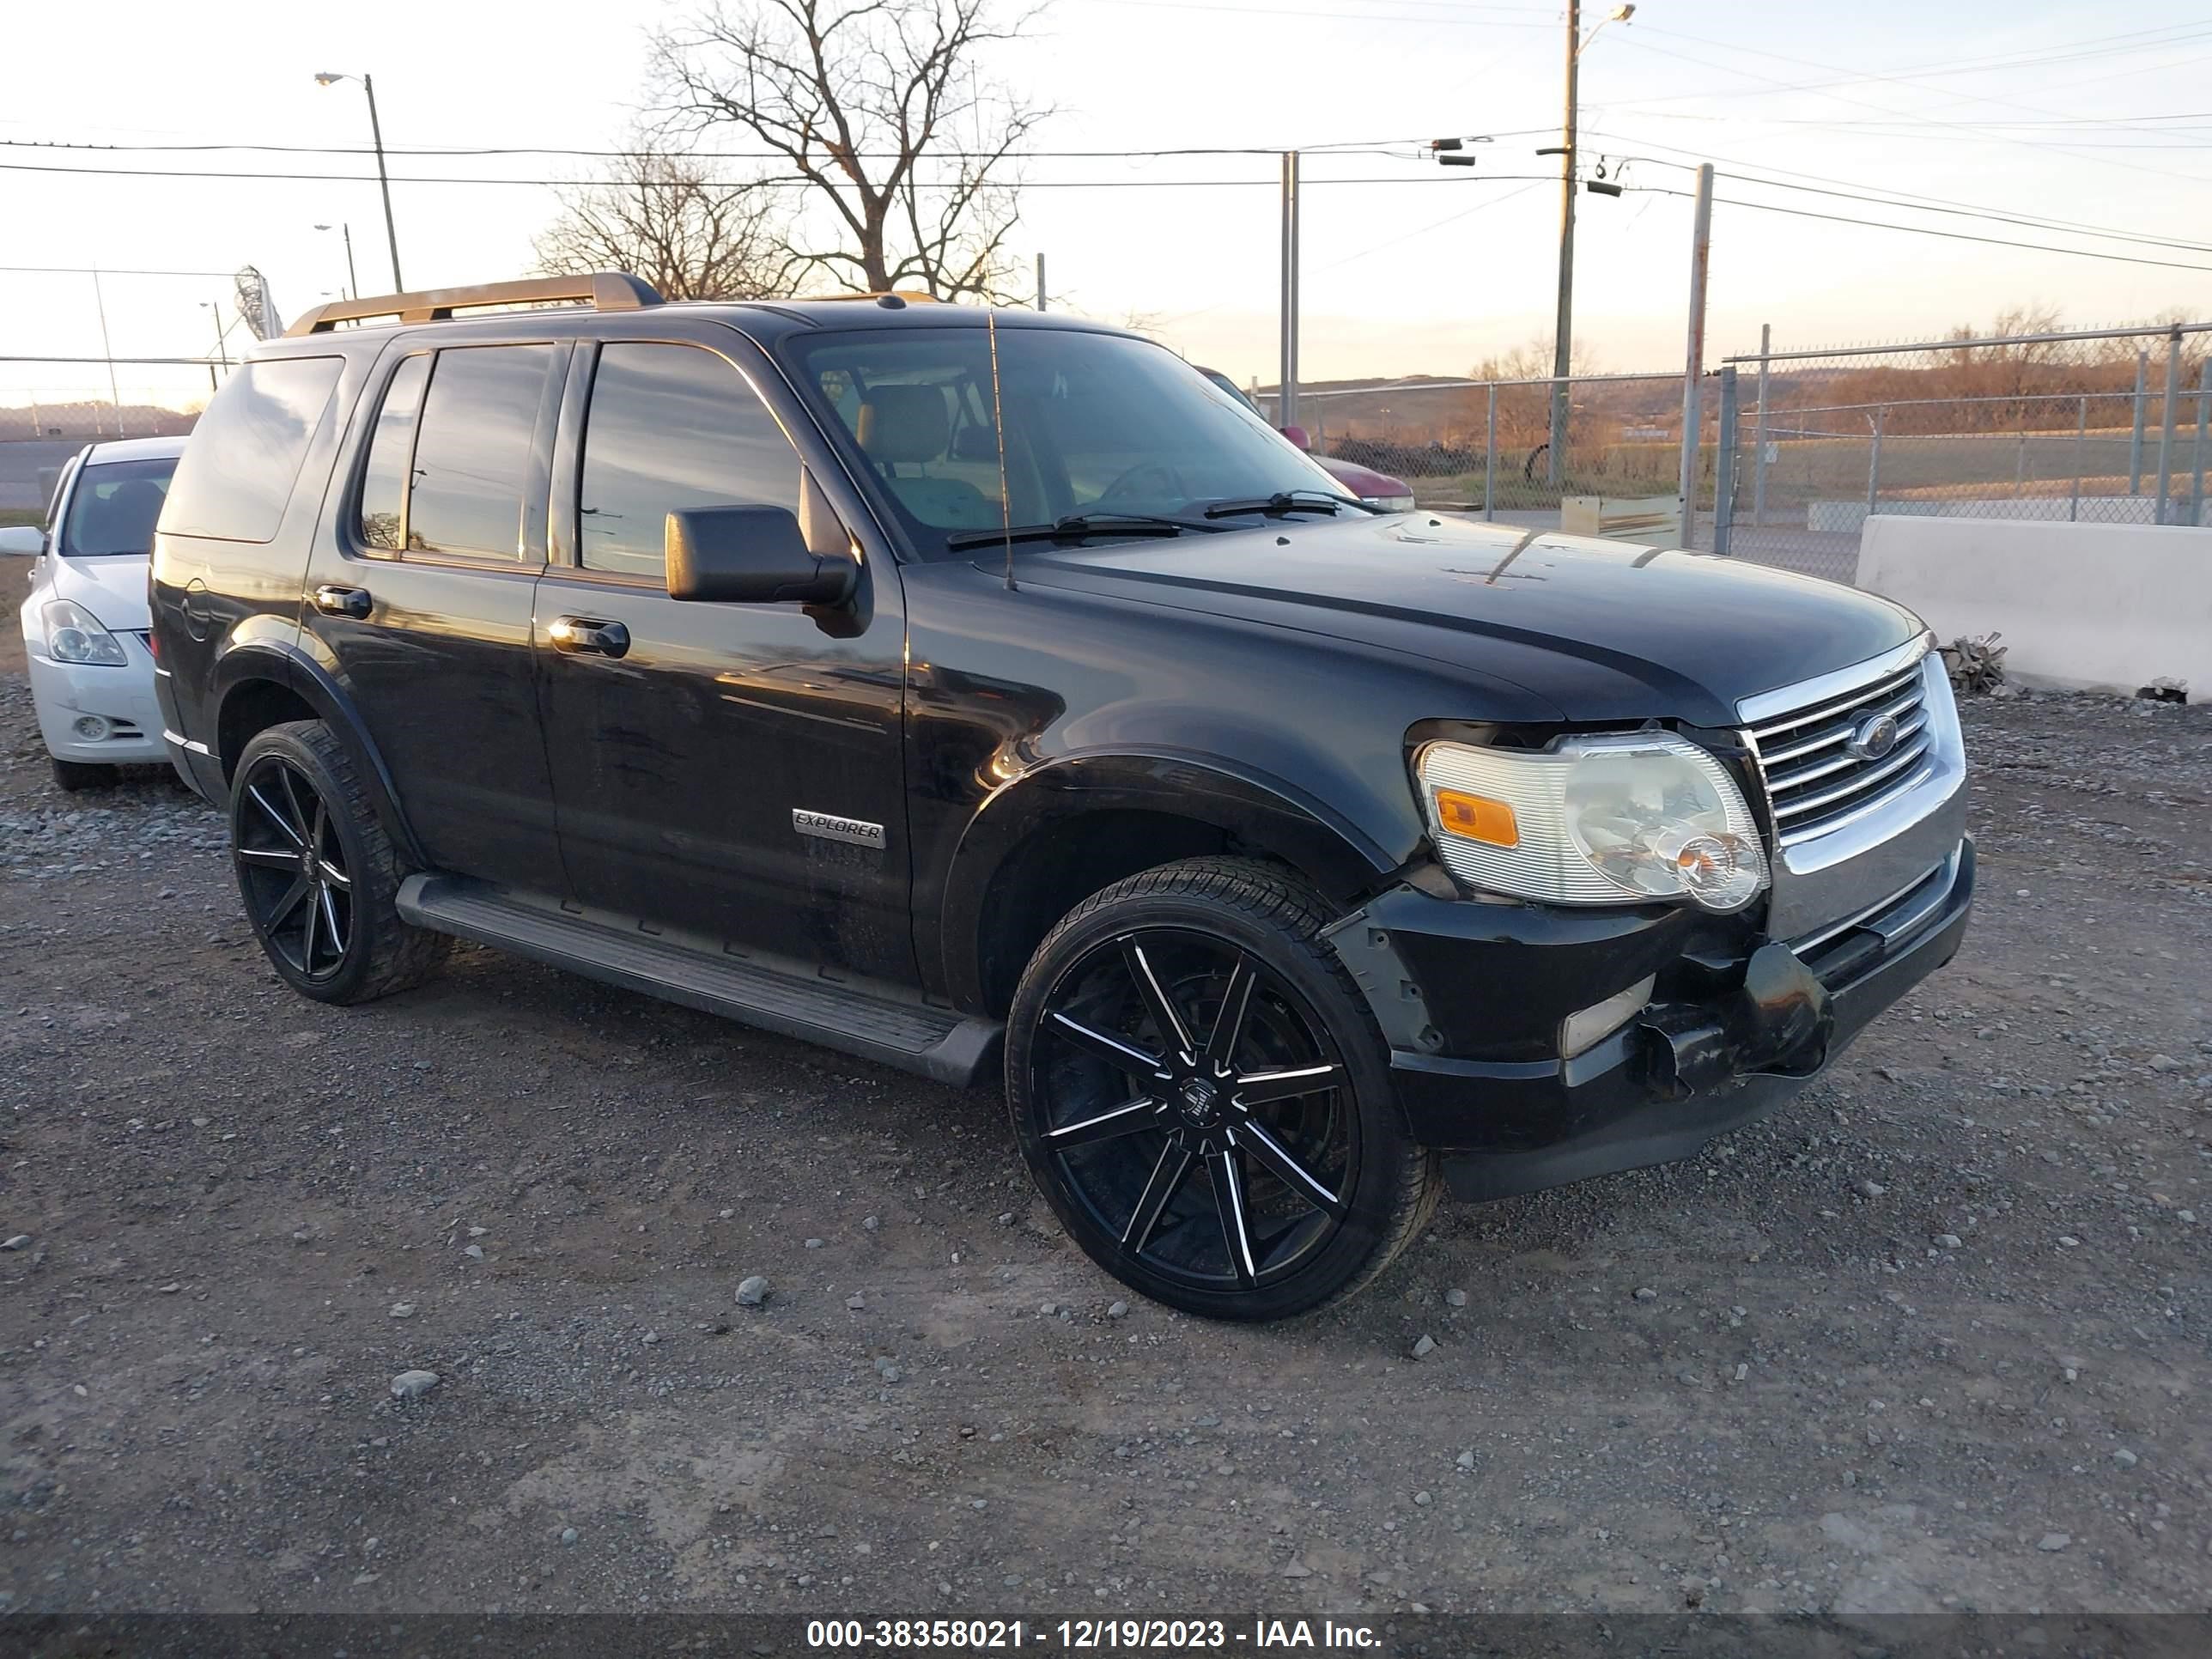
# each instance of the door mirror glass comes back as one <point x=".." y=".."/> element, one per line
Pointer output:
<point x="751" y="555"/>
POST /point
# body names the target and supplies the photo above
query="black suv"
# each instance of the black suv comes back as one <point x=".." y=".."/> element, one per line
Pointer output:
<point x="979" y="691"/>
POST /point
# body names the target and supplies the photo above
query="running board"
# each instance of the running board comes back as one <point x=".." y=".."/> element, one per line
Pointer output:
<point x="870" y="1018"/>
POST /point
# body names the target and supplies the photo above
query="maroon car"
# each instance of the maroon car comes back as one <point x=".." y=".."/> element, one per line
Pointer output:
<point x="1377" y="489"/>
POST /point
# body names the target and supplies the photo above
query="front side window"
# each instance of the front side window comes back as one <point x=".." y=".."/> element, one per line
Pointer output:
<point x="114" y="506"/>
<point x="474" y="450"/>
<point x="671" y="427"/>
<point x="1094" y="424"/>
<point x="238" y="470"/>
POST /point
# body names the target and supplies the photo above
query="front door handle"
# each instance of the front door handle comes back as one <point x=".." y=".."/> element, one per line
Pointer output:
<point x="335" y="601"/>
<point x="590" y="633"/>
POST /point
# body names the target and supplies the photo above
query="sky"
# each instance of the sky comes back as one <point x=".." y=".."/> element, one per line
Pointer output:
<point x="2076" y="111"/>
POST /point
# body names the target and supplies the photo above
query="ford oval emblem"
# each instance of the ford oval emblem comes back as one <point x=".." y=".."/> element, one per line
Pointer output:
<point x="1873" y="736"/>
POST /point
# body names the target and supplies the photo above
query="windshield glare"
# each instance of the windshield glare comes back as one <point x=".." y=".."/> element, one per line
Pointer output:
<point x="1095" y="424"/>
<point x="114" y="508"/>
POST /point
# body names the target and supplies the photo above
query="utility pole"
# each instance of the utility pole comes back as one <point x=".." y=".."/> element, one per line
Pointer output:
<point x="1563" y="326"/>
<point x="1287" y="400"/>
<point x="353" y="281"/>
<point x="1693" y="370"/>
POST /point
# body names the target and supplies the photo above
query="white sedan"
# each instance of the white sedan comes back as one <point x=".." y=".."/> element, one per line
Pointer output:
<point x="85" y="628"/>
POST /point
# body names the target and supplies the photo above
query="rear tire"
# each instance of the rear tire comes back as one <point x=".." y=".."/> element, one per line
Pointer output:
<point x="1204" y="1096"/>
<point x="318" y="873"/>
<point x="74" y="775"/>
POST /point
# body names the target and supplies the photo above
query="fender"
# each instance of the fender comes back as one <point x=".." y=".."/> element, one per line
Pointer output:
<point x="284" y="663"/>
<point x="1263" y="812"/>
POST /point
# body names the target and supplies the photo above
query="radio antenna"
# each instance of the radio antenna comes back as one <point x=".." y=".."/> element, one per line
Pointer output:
<point x="999" y="428"/>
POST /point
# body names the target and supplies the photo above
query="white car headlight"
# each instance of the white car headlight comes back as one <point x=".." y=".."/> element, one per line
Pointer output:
<point x="73" y="635"/>
<point x="1593" y="821"/>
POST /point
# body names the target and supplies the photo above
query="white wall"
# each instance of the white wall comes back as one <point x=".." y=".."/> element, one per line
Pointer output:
<point x="2081" y="606"/>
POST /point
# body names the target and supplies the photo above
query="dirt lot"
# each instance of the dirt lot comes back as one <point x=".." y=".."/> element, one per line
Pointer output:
<point x="1933" y="1337"/>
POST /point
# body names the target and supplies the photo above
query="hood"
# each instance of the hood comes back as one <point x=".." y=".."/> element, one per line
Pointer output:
<point x="1601" y="630"/>
<point x="1362" y="481"/>
<point x="112" y="587"/>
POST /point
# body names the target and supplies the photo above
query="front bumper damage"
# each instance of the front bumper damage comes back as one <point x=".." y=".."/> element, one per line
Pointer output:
<point x="1471" y="996"/>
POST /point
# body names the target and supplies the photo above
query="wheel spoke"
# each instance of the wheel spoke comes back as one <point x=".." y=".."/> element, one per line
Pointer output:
<point x="334" y="877"/>
<point x="1156" y="1000"/>
<point x="1111" y="1049"/>
<point x="1258" y="1088"/>
<point x="1227" y="1170"/>
<point x="1228" y="1024"/>
<point x="330" y="907"/>
<point x="281" y="911"/>
<point x="1121" y="1121"/>
<point x="1254" y="1135"/>
<point x="270" y="856"/>
<point x="1175" y="1161"/>
<point x="299" y="823"/>
<point x="282" y="824"/>
<point x="307" y="936"/>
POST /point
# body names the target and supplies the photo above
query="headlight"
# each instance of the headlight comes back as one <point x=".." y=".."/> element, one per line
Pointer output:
<point x="1388" y="503"/>
<point x="1593" y="821"/>
<point x="74" y="635"/>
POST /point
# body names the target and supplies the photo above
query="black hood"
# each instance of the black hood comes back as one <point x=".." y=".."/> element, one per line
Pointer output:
<point x="1601" y="630"/>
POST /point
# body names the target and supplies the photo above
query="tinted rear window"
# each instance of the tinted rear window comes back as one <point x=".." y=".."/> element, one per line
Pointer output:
<point x="239" y="469"/>
<point x="473" y="451"/>
<point x="114" y="506"/>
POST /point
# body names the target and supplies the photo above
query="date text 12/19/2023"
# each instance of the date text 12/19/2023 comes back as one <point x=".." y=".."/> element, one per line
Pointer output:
<point x="1087" y="1634"/>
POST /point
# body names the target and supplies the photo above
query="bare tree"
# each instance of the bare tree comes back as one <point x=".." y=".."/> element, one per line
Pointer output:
<point x="879" y="106"/>
<point x="660" y="214"/>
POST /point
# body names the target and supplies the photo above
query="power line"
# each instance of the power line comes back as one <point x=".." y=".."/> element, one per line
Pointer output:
<point x="1374" y="146"/>
<point x="727" y="183"/>
<point x="1927" y="230"/>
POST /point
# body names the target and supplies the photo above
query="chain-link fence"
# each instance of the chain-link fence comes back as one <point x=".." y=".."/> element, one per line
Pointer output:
<point x="44" y="423"/>
<point x="2106" y="427"/>
<point x="1485" y="446"/>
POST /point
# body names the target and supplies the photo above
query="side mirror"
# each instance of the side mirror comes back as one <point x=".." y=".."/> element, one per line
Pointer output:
<point x="1298" y="436"/>
<point x="751" y="555"/>
<point x="27" y="539"/>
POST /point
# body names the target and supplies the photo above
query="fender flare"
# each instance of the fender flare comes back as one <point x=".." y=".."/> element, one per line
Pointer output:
<point x="1266" y="813"/>
<point x="286" y="664"/>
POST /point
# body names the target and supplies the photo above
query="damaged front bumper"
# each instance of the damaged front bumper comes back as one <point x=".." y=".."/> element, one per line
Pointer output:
<point x="1471" y="997"/>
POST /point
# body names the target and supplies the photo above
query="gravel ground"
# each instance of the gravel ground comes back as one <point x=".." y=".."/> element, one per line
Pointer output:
<point x="1933" y="1337"/>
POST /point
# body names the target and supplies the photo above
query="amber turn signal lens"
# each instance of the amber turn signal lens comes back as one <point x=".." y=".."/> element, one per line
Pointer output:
<point x="1477" y="818"/>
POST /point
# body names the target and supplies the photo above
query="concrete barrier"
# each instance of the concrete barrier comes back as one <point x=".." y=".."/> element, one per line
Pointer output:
<point x="2097" y="607"/>
<point x="1834" y="516"/>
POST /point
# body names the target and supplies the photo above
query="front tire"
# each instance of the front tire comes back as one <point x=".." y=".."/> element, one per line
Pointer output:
<point x="1204" y="1096"/>
<point x="318" y="873"/>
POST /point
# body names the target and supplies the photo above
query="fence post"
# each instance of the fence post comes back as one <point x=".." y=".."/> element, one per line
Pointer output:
<point x="1881" y="418"/>
<point x="1758" y="460"/>
<point x="2135" y="443"/>
<point x="2204" y="408"/>
<point x="1724" y="464"/>
<point x="2166" y="427"/>
<point x="2080" y="441"/>
<point x="1490" y="458"/>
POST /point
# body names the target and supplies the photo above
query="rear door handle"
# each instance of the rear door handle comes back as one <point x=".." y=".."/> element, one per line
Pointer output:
<point x="335" y="601"/>
<point x="591" y="635"/>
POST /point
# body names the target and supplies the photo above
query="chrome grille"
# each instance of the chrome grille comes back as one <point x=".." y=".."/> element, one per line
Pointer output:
<point x="1813" y="783"/>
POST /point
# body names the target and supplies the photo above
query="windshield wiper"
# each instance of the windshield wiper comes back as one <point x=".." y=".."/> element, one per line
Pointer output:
<point x="1077" y="525"/>
<point x="1283" y="501"/>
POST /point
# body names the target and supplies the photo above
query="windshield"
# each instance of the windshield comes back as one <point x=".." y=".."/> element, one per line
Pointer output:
<point x="114" y="508"/>
<point x="1096" y="424"/>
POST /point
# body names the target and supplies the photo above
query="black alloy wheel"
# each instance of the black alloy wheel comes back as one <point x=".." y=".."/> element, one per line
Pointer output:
<point x="317" y="872"/>
<point x="1209" y="1133"/>
<point x="291" y="869"/>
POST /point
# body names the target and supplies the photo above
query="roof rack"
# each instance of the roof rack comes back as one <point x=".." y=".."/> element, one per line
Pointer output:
<point x="607" y="290"/>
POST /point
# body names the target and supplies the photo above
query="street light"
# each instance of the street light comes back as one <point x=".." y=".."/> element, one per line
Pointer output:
<point x="327" y="78"/>
<point x="353" y="281"/>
